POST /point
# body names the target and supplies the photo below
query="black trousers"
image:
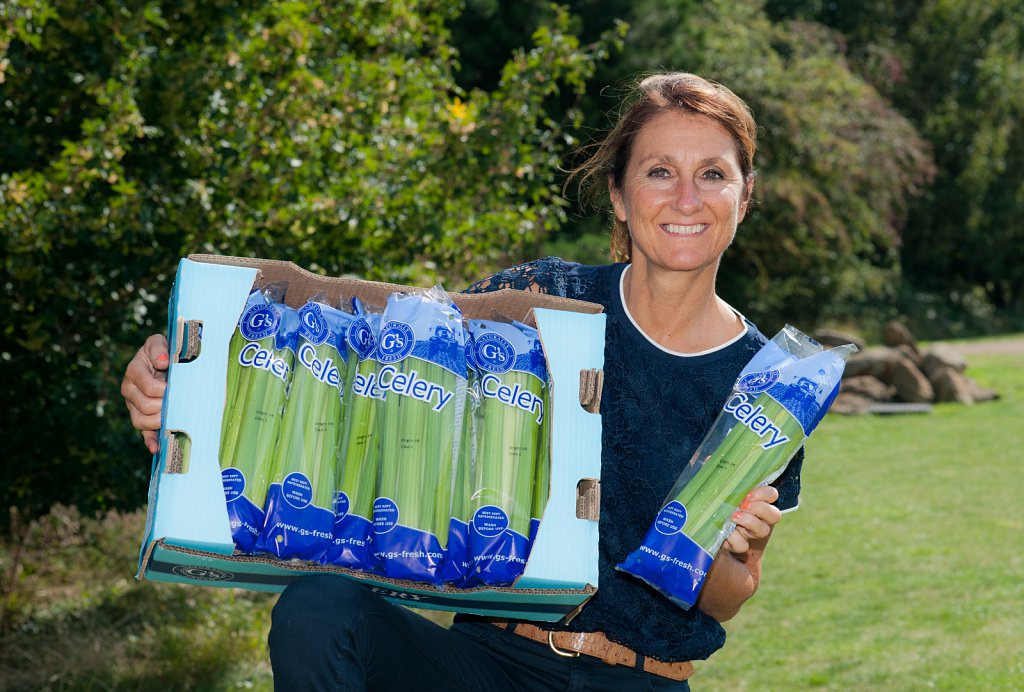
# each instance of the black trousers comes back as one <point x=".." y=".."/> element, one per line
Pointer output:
<point x="332" y="633"/>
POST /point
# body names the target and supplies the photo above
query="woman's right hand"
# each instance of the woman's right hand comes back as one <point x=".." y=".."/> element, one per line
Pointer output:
<point x="143" y="388"/>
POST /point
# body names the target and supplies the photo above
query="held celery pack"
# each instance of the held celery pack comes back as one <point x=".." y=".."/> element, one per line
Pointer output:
<point x="779" y="398"/>
<point x="350" y="453"/>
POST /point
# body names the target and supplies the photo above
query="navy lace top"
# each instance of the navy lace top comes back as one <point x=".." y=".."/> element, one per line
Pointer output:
<point x="655" y="409"/>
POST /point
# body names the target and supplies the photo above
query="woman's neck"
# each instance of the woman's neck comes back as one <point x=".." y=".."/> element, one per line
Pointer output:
<point x="680" y="311"/>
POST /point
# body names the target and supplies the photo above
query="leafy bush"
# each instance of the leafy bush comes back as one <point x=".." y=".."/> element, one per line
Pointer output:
<point x="330" y="134"/>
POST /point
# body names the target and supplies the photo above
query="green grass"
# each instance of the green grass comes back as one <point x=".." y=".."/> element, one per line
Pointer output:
<point x="73" y="617"/>
<point x="902" y="570"/>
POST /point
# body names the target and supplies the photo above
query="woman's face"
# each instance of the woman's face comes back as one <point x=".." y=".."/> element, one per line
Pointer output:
<point x="683" y="193"/>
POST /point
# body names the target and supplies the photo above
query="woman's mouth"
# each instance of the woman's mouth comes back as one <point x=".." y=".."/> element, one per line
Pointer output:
<point x="676" y="229"/>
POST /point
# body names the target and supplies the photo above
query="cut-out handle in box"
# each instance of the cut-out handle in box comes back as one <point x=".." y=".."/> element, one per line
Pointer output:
<point x="176" y="449"/>
<point x="188" y="340"/>
<point x="591" y="386"/>
<point x="588" y="499"/>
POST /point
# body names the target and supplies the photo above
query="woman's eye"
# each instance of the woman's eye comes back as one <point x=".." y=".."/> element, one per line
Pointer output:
<point x="713" y="175"/>
<point x="659" y="172"/>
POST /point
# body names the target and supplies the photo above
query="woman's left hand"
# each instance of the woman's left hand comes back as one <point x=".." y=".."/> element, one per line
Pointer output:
<point x="755" y="519"/>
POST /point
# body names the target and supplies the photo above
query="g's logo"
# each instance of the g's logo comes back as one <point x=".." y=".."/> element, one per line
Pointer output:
<point x="494" y="353"/>
<point x="396" y="342"/>
<point x="200" y="573"/>
<point x="259" y="322"/>
<point x="757" y="381"/>
<point x="360" y="336"/>
<point x="313" y="325"/>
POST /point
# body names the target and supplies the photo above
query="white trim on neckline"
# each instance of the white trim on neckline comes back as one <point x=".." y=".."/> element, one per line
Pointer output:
<point x="625" y="309"/>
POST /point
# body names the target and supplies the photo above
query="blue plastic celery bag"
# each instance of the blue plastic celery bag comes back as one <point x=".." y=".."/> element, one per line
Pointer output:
<point x="300" y="501"/>
<point x="508" y="443"/>
<point x="262" y="355"/>
<point x="423" y="374"/>
<point x="359" y="453"/>
<point x="777" y="401"/>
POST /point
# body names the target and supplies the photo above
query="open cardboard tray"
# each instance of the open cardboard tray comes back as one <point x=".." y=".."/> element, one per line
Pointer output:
<point x="187" y="538"/>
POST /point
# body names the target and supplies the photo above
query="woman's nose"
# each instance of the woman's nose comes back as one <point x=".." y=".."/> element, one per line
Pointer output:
<point x="686" y="196"/>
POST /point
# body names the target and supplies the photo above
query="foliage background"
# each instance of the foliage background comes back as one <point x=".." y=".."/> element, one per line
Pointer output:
<point x="420" y="140"/>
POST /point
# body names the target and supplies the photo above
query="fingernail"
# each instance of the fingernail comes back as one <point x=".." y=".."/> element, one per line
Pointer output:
<point x="161" y="358"/>
<point x="736" y="516"/>
<point x="745" y="504"/>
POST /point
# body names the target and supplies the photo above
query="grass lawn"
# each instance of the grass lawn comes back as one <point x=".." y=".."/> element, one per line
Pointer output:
<point x="902" y="570"/>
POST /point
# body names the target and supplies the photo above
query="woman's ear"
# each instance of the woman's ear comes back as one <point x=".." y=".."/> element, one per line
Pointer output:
<point x="748" y="194"/>
<point x="616" y="197"/>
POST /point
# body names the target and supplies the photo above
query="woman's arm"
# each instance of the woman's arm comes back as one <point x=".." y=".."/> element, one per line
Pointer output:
<point x="143" y="388"/>
<point x="736" y="572"/>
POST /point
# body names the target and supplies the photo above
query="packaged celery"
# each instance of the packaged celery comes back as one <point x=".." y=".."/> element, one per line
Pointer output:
<point x="510" y="418"/>
<point x="779" y="398"/>
<point x="359" y="453"/>
<point x="423" y="375"/>
<point x="300" y="500"/>
<point x="458" y="566"/>
<point x="261" y="355"/>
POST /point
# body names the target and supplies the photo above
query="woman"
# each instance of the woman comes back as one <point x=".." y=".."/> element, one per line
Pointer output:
<point x="678" y="168"/>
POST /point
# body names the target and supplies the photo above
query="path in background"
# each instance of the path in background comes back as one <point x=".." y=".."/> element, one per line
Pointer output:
<point x="993" y="347"/>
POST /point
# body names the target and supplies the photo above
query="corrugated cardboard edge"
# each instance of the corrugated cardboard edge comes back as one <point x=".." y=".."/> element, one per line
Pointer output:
<point x="303" y="284"/>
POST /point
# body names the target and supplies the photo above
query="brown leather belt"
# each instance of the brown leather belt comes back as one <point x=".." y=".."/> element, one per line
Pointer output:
<point x="596" y="644"/>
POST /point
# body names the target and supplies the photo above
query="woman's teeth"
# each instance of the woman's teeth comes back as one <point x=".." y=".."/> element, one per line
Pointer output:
<point x="684" y="230"/>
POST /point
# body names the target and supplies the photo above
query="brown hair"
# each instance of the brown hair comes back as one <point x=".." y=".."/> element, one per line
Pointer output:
<point x="649" y="97"/>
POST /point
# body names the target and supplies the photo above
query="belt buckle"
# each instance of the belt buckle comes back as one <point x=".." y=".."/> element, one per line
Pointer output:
<point x="560" y="652"/>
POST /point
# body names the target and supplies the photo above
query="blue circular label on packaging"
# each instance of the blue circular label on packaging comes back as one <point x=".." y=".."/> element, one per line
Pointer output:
<point x="385" y="515"/>
<point x="490" y="521"/>
<point x="360" y="336"/>
<point x="313" y="326"/>
<point x="494" y="353"/>
<point x="341" y="504"/>
<point x="297" y="490"/>
<point x="671" y="519"/>
<point x="396" y="342"/>
<point x="234" y="483"/>
<point x="757" y="381"/>
<point x="259" y="322"/>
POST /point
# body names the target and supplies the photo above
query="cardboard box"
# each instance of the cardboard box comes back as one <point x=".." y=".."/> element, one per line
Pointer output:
<point x="187" y="538"/>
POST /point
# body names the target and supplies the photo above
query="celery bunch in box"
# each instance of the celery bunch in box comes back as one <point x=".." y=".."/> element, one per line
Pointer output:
<point x="300" y="501"/>
<point x="261" y="356"/>
<point x="359" y="452"/>
<point x="779" y="398"/>
<point x="508" y="446"/>
<point x="423" y="376"/>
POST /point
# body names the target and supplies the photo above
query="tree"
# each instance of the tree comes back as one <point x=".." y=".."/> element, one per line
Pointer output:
<point x="956" y="71"/>
<point x="330" y="134"/>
